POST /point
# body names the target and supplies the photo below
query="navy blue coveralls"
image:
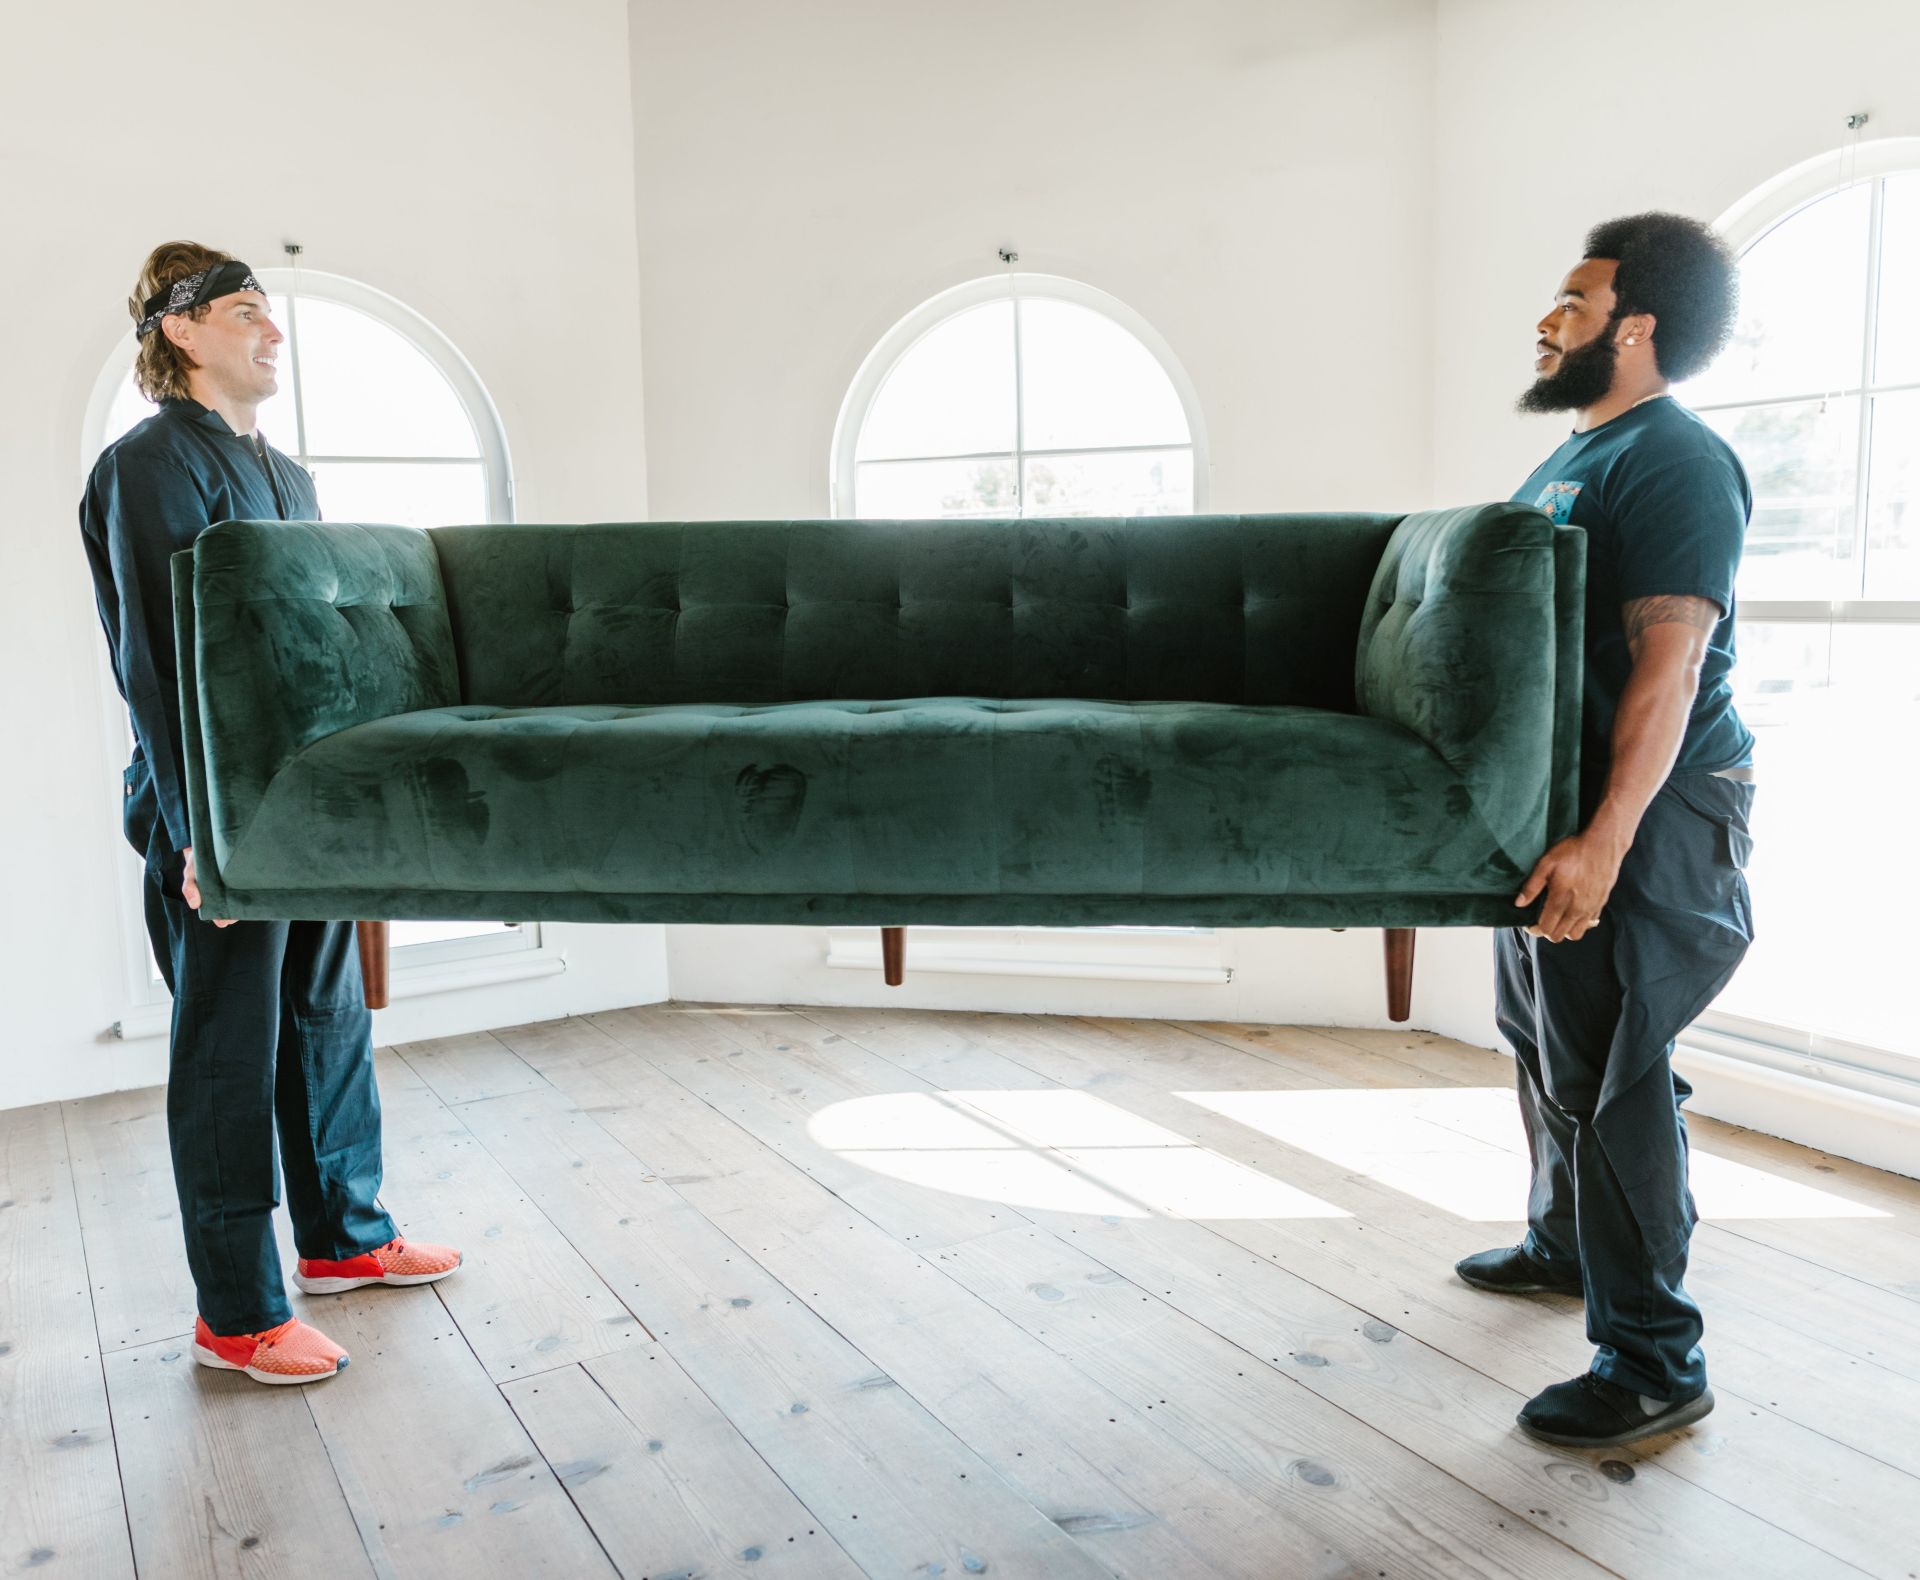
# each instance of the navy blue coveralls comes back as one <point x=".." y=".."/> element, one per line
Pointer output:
<point x="270" y="1027"/>
<point x="1592" y="1022"/>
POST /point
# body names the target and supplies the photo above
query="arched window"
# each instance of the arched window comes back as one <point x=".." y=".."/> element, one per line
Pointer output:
<point x="1019" y="395"/>
<point x="395" y="426"/>
<point x="1819" y="392"/>
<point x="374" y="401"/>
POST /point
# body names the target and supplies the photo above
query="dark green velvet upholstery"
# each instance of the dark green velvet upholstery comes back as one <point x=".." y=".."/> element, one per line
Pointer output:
<point x="302" y="629"/>
<point x="1250" y="609"/>
<point x="1214" y="720"/>
<point x="1457" y="644"/>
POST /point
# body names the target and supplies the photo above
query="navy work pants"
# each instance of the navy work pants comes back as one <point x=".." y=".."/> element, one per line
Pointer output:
<point x="1592" y="1023"/>
<point x="270" y="1033"/>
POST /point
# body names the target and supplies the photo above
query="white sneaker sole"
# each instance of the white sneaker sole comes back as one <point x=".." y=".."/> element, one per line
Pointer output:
<point x="335" y="1286"/>
<point x="207" y="1357"/>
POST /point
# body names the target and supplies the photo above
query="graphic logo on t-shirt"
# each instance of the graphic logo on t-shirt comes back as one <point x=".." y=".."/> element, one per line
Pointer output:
<point x="1556" y="499"/>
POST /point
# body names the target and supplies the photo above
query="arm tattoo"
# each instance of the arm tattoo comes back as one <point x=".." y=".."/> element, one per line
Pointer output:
<point x="1703" y="614"/>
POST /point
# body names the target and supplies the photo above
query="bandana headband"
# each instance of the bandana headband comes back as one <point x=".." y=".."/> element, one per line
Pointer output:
<point x="223" y="279"/>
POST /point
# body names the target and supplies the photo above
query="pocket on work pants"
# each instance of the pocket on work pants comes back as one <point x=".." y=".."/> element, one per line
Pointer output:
<point x="1728" y="805"/>
<point x="139" y="806"/>
<point x="1688" y="858"/>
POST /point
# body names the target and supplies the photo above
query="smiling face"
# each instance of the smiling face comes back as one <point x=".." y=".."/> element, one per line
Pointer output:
<point x="1576" y="349"/>
<point x="234" y="349"/>
<point x="1582" y="311"/>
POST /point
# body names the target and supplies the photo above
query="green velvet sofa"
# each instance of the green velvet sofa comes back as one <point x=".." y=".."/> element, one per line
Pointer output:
<point x="1224" y="721"/>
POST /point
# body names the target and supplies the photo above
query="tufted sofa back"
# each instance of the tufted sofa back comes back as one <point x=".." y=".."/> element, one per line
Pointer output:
<point x="1246" y="609"/>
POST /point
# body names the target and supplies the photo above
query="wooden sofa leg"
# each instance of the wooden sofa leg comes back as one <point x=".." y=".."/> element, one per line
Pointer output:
<point x="893" y="951"/>
<point x="1399" y="973"/>
<point x="373" y="962"/>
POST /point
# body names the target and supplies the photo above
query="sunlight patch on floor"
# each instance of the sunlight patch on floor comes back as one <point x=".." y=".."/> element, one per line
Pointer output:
<point x="1463" y="1149"/>
<point x="1054" y="1150"/>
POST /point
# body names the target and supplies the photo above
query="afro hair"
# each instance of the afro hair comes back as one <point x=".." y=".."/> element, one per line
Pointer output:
<point x="1678" y="270"/>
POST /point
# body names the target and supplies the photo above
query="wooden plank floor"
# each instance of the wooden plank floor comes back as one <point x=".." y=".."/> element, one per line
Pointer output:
<point x="801" y="1291"/>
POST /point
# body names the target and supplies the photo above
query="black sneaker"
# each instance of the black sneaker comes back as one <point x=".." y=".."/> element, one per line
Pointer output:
<point x="1512" y="1271"/>
<point x="1591" y="1412"/>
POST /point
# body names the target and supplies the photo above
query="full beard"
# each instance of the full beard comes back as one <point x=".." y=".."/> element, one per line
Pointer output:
<point x="1582" y="379"/>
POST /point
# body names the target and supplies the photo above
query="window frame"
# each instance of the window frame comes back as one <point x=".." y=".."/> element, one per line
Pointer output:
<point x="1831" y="1060"/>
<point x="144" y="991"/>
<point x="1769" y="206"/>
<point x="907" y="332"/>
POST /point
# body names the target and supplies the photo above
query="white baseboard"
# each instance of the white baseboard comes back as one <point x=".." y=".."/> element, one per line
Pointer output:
<point x="1868" y="1116"/>
<point x="1142" y="956"/>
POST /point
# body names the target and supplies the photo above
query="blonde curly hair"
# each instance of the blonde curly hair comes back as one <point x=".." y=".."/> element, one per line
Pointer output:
<point x="160" y="370"/>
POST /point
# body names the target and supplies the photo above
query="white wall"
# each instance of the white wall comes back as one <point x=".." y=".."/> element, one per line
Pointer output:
<point x="1310" y="976"/>
<point x="1551" y="116"/>
<point x="466" y="158"/>
<point x="1253" y="177"/>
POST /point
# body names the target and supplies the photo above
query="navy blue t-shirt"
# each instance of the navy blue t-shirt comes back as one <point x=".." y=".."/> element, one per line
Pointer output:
<point x="1665" y="503"/>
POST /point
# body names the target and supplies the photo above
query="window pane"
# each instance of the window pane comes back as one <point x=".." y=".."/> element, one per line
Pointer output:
<point x="407" y="494"/>
<point x="1898" y="352"/>
<point x="1803" y="305"/>
<point x="918" y="490"/>
<point x="1835" y="711"/>
<point x="1893" y="498"/>
<point x="950" y="394"/>
<point x="369" y="391"/>
<point x="1087" y="383"/>
<point x="1113" y="483"/>
<point x="1801" y="460"/>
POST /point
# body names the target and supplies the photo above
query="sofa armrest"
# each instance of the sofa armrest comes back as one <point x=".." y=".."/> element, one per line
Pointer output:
<point x="1471" y="639"/>
<point x="289" y="631"/>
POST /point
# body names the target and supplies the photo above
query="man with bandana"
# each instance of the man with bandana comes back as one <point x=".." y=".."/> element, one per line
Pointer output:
<point x="270" y="1030"/>
<point x="1646" y="912"/>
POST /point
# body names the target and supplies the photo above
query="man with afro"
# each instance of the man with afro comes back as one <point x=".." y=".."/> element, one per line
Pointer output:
<point x="1646" y="912"/>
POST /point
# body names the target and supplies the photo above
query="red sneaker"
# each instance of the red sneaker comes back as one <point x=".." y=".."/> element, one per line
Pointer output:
<point x="396" y="1262"/>
<point x="290" y="1353"/>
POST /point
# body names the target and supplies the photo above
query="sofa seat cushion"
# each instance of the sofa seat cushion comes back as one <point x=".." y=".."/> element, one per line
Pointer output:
<point x="919" y="795"/>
